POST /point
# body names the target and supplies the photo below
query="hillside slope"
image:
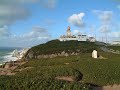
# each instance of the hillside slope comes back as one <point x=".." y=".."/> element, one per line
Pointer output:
<point x="56" y="48"/>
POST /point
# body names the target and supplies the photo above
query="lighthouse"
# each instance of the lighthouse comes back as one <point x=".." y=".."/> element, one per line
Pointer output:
<point x="68" y="32"/>
<point x="79" y="37"/>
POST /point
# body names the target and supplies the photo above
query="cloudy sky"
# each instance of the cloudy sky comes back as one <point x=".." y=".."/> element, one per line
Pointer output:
<point x="25" y="23"/>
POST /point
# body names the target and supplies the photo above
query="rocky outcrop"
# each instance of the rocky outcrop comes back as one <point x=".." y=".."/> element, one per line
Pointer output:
<point x="105" y="49"/>
<point x="32" y="55"/>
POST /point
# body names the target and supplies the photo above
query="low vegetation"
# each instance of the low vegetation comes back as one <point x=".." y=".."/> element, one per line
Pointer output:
<point x="40" y="74"/>
<point x="55" y="47"/>
<point x="114" y="47"/>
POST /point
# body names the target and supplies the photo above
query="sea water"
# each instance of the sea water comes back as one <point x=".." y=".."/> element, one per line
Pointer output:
<point x="6" y="54"/>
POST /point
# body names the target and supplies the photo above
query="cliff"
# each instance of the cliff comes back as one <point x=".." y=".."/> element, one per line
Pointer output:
<point x="56" y="48"/>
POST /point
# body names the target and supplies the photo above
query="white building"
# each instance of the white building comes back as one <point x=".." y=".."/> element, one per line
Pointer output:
<point x="115" y="43"/>
<point x="69" y="37"/>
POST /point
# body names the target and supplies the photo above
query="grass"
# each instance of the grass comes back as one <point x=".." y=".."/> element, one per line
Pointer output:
<point x="114" y="47"/>
<point x="43" y="72"/>
<point x="95" y="71"/>
<point x="55" y="47"/>
<point x="40" y="74"/>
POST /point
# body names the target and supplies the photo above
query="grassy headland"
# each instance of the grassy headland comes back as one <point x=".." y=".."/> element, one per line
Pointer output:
<point x="40" y="74"/>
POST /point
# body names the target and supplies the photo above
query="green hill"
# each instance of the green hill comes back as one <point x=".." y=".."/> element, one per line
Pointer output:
<point x="56" y="47"/>
<point x="80" y="72"/>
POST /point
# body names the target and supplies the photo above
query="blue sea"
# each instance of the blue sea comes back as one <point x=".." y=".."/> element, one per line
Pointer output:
<point x="6" y="53"/>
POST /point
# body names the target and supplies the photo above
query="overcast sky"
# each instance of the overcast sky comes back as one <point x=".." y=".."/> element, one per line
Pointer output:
<point x="25" y="23"/>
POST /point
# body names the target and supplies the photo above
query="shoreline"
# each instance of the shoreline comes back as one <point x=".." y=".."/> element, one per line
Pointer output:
<point x="8" y="68"/>
<point x="13" y="62"/>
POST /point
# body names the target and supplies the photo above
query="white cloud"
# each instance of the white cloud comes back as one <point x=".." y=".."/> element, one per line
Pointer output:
<point x="76" y="32"/>
<point x="16" y="1"/>
<point x="50" y="4"/>
<point x="12" y="11"/>
<point x="118" y="6"/>
<point x="15" y="10"/>
<point x="36" y="36"/>
<point x="10" y="14"/>
<point x="36" y="33"/>
<point x="104" y="29"/>
<point x="104" y="16"/>
<point x="116" y="34"/>
<point x="105" y="19"/>
<point x="4" y="32"/>
<point x="77" y="20"/>
<point x="49" y="22"/>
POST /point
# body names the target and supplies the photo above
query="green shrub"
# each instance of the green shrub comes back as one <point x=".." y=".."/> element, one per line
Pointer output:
<point x="77" y="75"/>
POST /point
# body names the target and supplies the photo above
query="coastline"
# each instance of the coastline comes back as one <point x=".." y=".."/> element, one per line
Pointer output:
<point x="8" y="68"/>
<point x="11" y="63"/>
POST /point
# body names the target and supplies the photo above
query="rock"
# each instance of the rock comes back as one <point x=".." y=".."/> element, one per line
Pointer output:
<point x="63" y="53"/>
<point x="59" y="54"/>
<point x="66" y="63"/>
<point x="45" y="56"/>
<point x="76" y="54"/>
<point x="15" y="53"/>
<point x="72" y="53"/>
<point x="7" y="65"/>
<point x="30" y="55"/>
<point x="101" y="57"/>
<point x="78" y="50"/>
<point x="117" y="51"/>
<point x="39" y="56"/>
<point x="94" y="54"/>
<point x="66" y="54"/>
<point x="52" y="55"/>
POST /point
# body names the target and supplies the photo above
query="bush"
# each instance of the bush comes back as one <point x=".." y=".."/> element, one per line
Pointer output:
<point x="77" y="75"/>
<point x="55" y="47"/>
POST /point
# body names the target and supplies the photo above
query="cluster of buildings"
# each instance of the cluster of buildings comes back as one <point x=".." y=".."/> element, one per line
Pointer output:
<point x="115" y="43"/>
<point x="80" y="37"/>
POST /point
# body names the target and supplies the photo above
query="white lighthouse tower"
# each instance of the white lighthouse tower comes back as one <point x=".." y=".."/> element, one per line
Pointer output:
<point x="79" y="37"/>
<point x="68" y="32"/>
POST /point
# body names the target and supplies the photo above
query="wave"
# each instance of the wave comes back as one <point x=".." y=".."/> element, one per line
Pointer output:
<point x="9" y="56"/>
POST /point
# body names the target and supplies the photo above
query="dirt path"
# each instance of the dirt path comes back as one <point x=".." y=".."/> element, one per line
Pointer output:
<point x="70" y="79"/>
<point x="114" y="87"/>
<point x="65" y="78"/>
<point x="9" y="70"/>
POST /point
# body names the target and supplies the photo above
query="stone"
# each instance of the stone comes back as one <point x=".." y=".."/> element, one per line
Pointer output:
<point x="72" y="53"/>
<point x="7" y="65"/>
<point x="101" y="57"/>
<point x="76" y="54"/>
<point x="66" y="54"/>
<point x="39" y="56"/>
<point x="94" y="54"/>
<point x="30" y="56"/>
<point x="63" y="53"/>
<point x="45" y="56"/>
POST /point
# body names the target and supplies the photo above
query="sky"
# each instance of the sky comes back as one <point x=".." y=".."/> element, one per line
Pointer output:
<point x="26" y="23"/>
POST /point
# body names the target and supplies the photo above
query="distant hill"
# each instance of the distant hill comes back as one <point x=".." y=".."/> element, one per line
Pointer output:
<point x="57" y="48"/>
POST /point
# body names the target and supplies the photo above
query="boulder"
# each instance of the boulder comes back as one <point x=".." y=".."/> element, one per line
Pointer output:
<point x="66" y="54"/>
<point x="39" y="56"/>
<point x="45" y="56"/>
<point x="94" y="54"/>
<point x="73" y="53"/>
<point x="7" y="65"/>
<point x="30" y="55"/>
<point x="63" y="53"/>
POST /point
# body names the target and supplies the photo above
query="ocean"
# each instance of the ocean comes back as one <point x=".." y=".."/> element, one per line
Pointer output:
<point x="6" y="54"/>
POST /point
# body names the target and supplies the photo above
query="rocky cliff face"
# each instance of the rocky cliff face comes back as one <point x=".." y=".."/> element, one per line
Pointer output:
<point x="32" y="55"/>
<point x="56" y="48"/>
